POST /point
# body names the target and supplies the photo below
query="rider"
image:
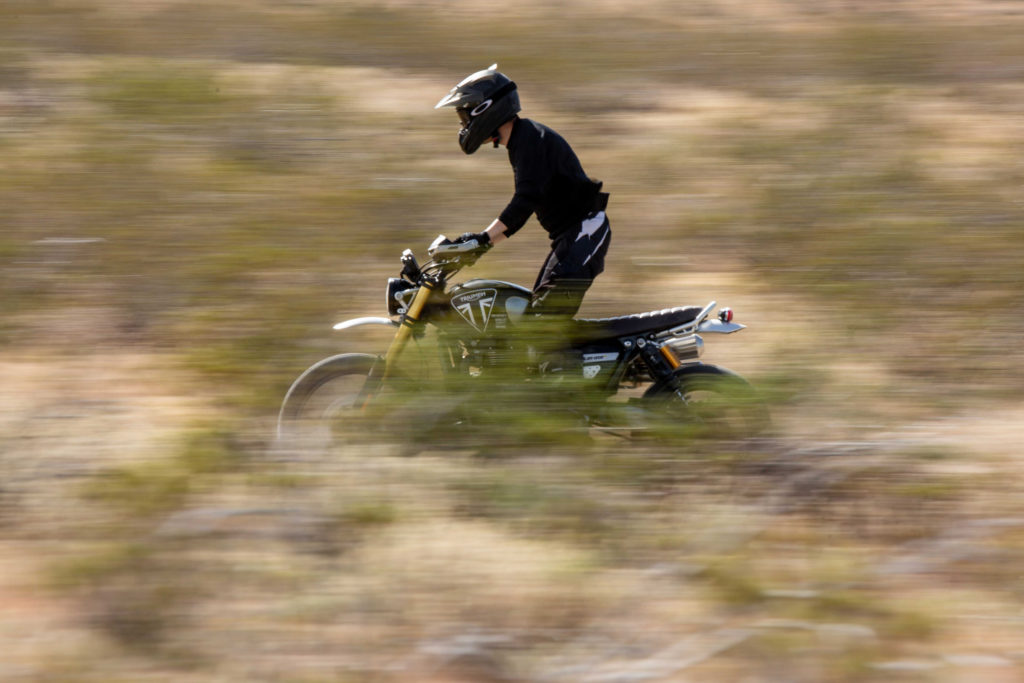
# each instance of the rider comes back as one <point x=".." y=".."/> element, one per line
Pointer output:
<point x="549" y="182"/>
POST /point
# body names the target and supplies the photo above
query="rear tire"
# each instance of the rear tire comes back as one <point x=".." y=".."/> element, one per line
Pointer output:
<point x="710" y="402"/>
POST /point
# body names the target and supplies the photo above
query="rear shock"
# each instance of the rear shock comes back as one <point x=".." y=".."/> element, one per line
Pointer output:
<point x="661" y="363"/>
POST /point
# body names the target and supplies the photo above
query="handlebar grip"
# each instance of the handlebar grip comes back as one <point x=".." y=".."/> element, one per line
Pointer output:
<point x="456" y="248"/>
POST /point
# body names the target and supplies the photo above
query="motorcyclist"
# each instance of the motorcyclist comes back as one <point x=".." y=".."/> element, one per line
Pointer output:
<point x="549" y="182"/>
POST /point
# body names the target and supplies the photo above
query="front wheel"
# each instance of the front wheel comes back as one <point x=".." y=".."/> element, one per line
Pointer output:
<point x="706" y="400"/>
<point x="323" y="397"/>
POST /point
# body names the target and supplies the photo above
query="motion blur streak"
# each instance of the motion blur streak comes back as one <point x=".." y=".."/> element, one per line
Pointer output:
<point x="192" y="193"/>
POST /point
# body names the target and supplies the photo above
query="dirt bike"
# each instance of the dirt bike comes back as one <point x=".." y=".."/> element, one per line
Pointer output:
<point x="630" y="375"/>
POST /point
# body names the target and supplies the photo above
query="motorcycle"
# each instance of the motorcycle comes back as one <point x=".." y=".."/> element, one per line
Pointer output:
<point x="631" y="375"/>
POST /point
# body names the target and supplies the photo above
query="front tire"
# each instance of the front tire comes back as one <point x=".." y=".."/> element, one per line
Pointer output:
<point x="323" y="396"/>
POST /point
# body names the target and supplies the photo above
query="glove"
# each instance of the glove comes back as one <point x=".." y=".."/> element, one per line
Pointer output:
<point x="482" y="238"/>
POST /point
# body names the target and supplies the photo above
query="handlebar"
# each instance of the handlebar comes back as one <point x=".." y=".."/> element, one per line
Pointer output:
<point x="446" y="259"/>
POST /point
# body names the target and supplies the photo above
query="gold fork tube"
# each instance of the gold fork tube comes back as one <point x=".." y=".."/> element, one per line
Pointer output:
<point x="405" y="329"/>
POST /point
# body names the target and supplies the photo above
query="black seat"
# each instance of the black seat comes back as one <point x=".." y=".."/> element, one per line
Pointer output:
<point x="592" y="329"/>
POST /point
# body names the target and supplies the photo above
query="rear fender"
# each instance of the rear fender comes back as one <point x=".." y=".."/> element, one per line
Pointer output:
<point x="719" y="326"/>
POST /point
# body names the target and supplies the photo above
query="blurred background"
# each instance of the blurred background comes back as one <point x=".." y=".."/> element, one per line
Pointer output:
<point x="191" y="193"/>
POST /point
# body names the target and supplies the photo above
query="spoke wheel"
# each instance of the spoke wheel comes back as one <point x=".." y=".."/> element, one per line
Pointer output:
<point x="321" y="407"/>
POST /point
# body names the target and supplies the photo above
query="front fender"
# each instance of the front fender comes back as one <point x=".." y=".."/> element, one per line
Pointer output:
<point x="356" y="322"/>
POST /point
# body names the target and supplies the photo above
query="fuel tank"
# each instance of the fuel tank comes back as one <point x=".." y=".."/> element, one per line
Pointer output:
<point x="490" y="305"/>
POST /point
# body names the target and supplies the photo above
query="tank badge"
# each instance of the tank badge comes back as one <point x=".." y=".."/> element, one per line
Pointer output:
<point x="475" y="307"/>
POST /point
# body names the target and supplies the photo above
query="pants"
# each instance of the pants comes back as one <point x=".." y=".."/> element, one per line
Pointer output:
<point x="575" y="260"/>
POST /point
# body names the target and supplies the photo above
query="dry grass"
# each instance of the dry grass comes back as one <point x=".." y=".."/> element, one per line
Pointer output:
<point x="192" y="192"/>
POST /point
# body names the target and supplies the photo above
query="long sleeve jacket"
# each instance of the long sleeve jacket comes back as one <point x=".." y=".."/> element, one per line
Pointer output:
<point x="549" y="181"/>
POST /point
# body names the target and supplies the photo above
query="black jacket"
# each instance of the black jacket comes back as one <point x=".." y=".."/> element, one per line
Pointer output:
<point x="549" y="181"/>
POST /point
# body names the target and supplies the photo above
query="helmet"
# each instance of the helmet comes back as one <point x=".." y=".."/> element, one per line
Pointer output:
<point x="483" y="101"/>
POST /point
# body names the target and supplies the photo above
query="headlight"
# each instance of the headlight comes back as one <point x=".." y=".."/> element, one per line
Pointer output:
<point x="398" y="294"/>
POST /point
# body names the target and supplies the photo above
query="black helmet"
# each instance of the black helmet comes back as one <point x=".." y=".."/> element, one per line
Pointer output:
<point x="484" y="101"/>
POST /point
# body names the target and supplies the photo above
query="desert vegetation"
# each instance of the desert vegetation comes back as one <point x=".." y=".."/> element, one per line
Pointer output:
<point x="192" y="193"/>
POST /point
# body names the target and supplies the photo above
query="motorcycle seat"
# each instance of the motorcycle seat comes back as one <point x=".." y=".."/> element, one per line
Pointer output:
<point x="592" y="329"/>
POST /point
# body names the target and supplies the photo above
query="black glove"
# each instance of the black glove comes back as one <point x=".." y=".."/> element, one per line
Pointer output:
<point x="482" y="238"/>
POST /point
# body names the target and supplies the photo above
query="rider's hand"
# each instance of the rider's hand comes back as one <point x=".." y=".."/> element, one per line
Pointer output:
<point x="482" y="239"/>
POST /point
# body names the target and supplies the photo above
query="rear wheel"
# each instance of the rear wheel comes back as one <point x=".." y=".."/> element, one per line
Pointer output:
<point x="705" y="400"/>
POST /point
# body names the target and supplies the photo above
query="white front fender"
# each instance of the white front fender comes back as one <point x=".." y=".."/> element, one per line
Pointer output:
<point x="356" y="322"/>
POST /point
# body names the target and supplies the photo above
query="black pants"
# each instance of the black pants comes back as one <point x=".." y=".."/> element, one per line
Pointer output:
<point x="576" y="258"/>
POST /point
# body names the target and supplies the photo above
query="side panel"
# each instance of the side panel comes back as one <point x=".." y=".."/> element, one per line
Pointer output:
<point x="600" y="362"/>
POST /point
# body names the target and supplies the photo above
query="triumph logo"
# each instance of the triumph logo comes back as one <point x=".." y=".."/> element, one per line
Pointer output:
<point x="476" y="307"/>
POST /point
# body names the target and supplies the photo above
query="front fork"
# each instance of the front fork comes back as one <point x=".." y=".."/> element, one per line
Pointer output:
<point x="381" y="371"/>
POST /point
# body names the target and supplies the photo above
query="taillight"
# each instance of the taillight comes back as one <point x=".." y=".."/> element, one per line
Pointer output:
<point x="725" y="315"/>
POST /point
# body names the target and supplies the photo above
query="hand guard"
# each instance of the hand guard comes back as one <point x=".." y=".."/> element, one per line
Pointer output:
<point x="482" y="239"/>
